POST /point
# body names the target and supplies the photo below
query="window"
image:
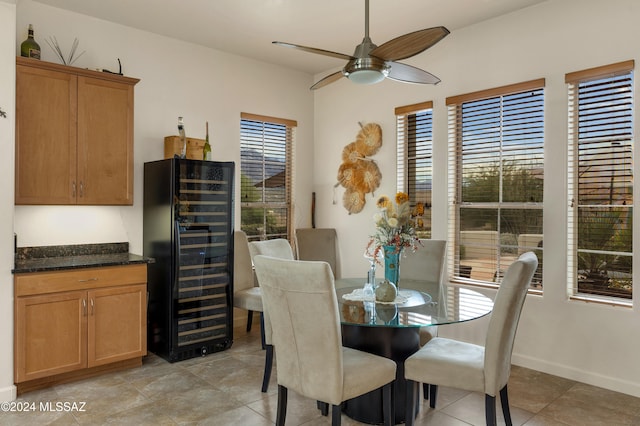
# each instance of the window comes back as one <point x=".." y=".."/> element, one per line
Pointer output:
<point x="266" y="146"/>
<point x="496" y="159"/>
<point x="600" y="179"/>
<point x="415" y="166"/>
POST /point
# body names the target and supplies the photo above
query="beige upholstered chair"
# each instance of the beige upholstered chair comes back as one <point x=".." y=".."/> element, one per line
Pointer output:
<point x="279" y="248"/>
<point x="246" y="293"/>
<point x="426" y="265"/>
<point x="318" y="244"/>
<point x="303" y="309"/>
<point x="472" y="367"/>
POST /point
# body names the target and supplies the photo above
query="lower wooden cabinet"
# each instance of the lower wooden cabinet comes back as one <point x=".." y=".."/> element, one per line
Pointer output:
<point x="75" y="321"/>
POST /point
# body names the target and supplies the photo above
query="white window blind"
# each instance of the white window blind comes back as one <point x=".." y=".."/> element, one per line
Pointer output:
<point x="600" y="183"/>
<point x="496" y="165"/>
<point x="266" y="150"/>
<point x="414" y="132"/>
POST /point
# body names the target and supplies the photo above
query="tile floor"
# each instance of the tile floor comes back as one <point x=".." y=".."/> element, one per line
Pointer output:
<point x="224" y="389"/>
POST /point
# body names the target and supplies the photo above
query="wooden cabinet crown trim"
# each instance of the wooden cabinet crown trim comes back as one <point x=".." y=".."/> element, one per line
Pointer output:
<point x="35" y="63"/>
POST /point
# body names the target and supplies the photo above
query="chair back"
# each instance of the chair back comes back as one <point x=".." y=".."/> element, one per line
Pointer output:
<point x="278" y="247"/>
<point x="242" y="267"/>
<point x="503" y="324"/>
<point x="281" y="249"/>
<point x="303" y="311"/>
<point x="318" y="244"/>
<point x="427" y="264"/>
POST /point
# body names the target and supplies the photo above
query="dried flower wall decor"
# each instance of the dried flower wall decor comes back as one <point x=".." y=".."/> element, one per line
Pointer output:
<point x="359" y="174"/>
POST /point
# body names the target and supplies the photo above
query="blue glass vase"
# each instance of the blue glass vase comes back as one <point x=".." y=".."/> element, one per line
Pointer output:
<point x="392" y="264"/>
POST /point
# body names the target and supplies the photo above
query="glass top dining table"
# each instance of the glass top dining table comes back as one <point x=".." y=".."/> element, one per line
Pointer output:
<point x="393" y="329"/>
<point x="418" y="304"/>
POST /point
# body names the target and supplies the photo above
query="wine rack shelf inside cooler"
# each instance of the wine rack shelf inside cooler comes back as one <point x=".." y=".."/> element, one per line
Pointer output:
<point x="203" y="284"/>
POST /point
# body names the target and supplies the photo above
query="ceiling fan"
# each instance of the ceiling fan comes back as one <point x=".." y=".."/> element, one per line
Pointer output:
<point x="371" y="64"/>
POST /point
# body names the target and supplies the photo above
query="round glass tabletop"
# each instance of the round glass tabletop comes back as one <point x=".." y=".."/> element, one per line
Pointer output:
<point x="418" y="304"/>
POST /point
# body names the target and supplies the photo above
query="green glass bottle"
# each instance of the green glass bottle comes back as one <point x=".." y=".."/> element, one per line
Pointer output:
<point x="206" y="151"/>
<point x="30" y="48"/>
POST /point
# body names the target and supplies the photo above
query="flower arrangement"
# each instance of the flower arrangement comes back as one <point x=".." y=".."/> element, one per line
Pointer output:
<point x="394" y="226"/>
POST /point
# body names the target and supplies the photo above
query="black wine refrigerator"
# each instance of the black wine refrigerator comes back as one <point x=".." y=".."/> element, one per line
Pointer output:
<point x="188" y="230"/>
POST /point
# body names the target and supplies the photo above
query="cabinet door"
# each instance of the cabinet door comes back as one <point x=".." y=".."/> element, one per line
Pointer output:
<point x="105" y="142"/>
<point x="117" y="324"/>
<point x="50" y="334"/>
<point x="45" y="136"/>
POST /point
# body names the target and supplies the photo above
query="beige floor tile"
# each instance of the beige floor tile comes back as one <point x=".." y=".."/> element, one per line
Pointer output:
<point x="224" y="389"/>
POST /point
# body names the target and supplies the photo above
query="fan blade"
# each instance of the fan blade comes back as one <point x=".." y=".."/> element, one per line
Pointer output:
<point x="410" y="44"/>
<point x="327" y="80"/>
<point x="314" y="50"/>
<point x="408" y="74"/>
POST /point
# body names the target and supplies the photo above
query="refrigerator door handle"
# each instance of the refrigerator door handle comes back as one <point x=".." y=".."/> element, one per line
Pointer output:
<point x="176" y="265"/>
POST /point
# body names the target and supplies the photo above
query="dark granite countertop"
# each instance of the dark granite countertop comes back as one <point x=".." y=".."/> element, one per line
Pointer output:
<point x="55" y="258"/>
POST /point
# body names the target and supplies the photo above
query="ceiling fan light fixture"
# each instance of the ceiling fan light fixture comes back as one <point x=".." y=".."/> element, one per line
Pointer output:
<point x="366" y="70"/>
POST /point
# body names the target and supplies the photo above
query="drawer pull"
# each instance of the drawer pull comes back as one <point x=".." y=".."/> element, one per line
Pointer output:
<point x="92" y="307"/>
<point x="88" y="279"/>
<point x="84" y="307"/>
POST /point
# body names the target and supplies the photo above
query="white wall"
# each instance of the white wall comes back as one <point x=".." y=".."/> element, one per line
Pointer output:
<point x="592" y="343"/>
<point x="7" y="127"/>
<point x="177" y="79"/>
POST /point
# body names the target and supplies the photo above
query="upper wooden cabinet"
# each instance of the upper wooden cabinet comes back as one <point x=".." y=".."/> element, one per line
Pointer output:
<point x="74" y="135"/>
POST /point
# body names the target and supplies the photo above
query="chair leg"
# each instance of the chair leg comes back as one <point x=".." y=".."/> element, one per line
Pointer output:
<point x="490" y="409"/>
<point x="323" y="407"/>
<point x="336" y="415"/>
<point x="282" y="405"/>
<point x="249" y="320"/>
<point x="504" y="401"/>
<point x="425" y="391"/>
<point x="433" y="394"/>
<point x="262" y="341"/>
<point x="409" y="412"/>
<point x="268" y="364"/>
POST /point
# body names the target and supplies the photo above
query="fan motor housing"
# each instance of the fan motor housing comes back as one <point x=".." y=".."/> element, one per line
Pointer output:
<point x="366" y="70"/>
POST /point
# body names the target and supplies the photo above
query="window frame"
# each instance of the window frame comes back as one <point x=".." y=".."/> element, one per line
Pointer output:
<point x="464" y="273"/>
<point x="596" y="76"/>
<point x="289" y="127"/>
<point x="409" y="140"/>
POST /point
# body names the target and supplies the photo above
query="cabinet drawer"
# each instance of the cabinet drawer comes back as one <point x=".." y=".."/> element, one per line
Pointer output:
<point x="79" y="279"/>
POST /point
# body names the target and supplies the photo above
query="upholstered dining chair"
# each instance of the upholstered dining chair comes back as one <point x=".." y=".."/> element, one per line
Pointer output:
<point x="427" y="266"/>
<point x="476" y="368"/>
<point x="246" y="293"/>
<point x="279" y="248"/>
<point x="303" y="310"/>
<point x="318" y="244"/>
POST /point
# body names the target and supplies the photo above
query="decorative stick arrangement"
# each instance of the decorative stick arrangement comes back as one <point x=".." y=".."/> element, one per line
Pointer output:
<point x="53" y="43"/>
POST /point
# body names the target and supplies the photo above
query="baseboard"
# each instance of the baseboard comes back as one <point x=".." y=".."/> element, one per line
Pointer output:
<point x="8" y="393"/>
<point x="572" y="373"/>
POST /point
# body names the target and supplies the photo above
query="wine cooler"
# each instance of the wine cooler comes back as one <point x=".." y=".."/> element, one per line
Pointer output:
<point x="188" y="230"/>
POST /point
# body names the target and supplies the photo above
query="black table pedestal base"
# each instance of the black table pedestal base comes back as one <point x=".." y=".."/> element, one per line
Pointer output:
<point x="396" y="343"/>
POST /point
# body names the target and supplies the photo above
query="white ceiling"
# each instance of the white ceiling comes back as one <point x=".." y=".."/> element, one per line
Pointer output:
<point x="247" y="27"/>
